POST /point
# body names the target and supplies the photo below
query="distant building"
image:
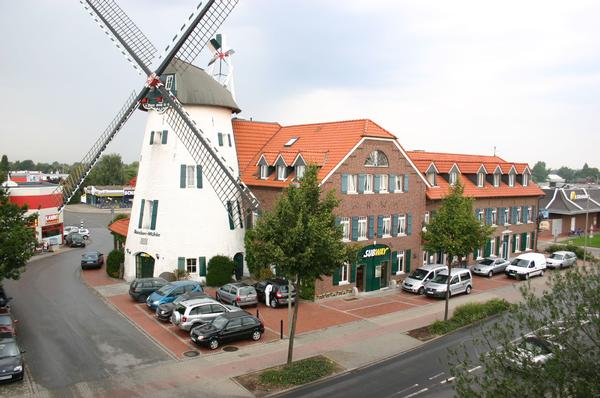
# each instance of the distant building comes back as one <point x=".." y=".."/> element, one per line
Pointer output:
<point x="567" y="208"/>
<point x="554" y="180"/>
<point x="109" y="196"/>
<point x="37" y="176"/>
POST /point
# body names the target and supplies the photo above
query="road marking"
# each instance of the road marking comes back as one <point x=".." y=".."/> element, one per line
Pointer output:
<point x="474" y="369"/>
<point x="436" y="376"/>
<point x="448" y="380"/>
<point x="417" y="393"/>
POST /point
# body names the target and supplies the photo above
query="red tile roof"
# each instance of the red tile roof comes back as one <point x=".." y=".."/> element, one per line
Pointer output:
<point x="325" y="144"/>
<point x="120" y="227"/>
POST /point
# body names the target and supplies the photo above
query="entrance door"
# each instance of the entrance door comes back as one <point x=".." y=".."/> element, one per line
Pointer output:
<point x="360" y="281"/>
<point x="144" y="266"/>
<point x="505" y="247"/>
<point x="238" y="259"/>
<point x="383" y="279"/>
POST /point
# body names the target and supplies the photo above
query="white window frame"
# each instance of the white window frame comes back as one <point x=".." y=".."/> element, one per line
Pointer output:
<point x="352" y="183"/>
<point x="264" y="171"/>
<point x="480" y="215"/>
<point x="497" y="180"/>
<point x="281" y="173"/>
<point x="191" y="263"/>
<point x="157" y="140"/>
<point x="426" y="217"/>
<point x="494" y="216"/>
<point x="169" y="82"/>
<point x="344" y="274"/>
<point x="519" y="214"/>
<point x="190" y="176"/>
<point x="529" y="214"/>
<point x="387" y="227"/>
<point x="399" y="183"/>
<point x="425" y="257"/>
<point x="400" y="257"/>
<point x="384" y="183"/>
<point x="517" y="243"/>
<point x="401" y="225"/>
<point x="431" y="178"/>
<point x="492" y="247"/>
<point x="480" y="179"/>
<point x="528" y="242"/>
<point x="453" y="177"/>
<point x="525" y="179"/>
<point x="345" y="223"/>
<point x="511" y="180"/>
<point x="147" y="217"/>
<point x="506" y="216"/>
<point x="479" y="253"/>
<point x="300" y="170"/>
<point x="368" y="188"/>
<point x="362" y="228"/>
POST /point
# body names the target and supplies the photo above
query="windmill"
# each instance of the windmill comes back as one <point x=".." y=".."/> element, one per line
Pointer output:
<point x="158" y="97"/>
<point x="221" y="61"/>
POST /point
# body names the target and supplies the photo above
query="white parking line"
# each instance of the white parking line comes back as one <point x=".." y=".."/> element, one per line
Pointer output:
<point x="436" y="376"/>
<point x="416" y="393"/>
<point x="448" y="380"/>
<point x="406" y="389"/>
<point x="474" y="369"/>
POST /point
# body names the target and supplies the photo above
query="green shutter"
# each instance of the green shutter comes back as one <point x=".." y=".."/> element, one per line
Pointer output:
<point x="151" y="137"/>
<point x="164" y="136"/>
<point x="154" y="212"/>
<point x="198" y="176"/>
<point x="409" y="224"/>
<point x="220" y="136"/>
<point x="354" y="228"/>
<point x="488" y="249"/>
<point x="405" y="185"/>
<point x="377" y="180"/>
<point x="181" y="263"/>
<point x="392" y="183"/>
<point x="523" y="241"/>
<point x="353" y="273"/>
<point x="361" y="183"/>
<point x="344" y="183"/>
<point x="229" y="139"/>
<point x="394" y="224"/>
<point x="338" y="221"/>
<point x="202" y="266"/>
<point x="239" y="211"/>
<point x="407" y="259"/>
<point x="514" y="243"/>
<point x="533" y="241"/>
<point x="182" y="176"/>
<point x="371" y="227"/>
<point x="394" y="262"/>
<point x="141" y="213"/>
<point x="497" y="246"/>
<point x="379" y="226"/>
<point x="337" y="274"/>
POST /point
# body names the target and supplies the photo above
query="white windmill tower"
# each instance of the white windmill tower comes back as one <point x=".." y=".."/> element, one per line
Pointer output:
<point x="189" y="201"/>
<point x="220" y="66"/>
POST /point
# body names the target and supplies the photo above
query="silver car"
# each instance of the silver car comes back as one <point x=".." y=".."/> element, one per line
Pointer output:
<point x="192" y="313"/>
<point x="460" y="282"/>
<point x="490" y="266"/>
<point x="561" y="259"/>
<point x="237" y="294"/>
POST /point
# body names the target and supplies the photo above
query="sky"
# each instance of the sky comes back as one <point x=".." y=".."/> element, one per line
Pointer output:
<point x="522" y="77"/>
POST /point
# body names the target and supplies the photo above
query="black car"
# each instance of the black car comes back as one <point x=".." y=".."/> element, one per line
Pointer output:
<point x="230" y="326"/>
<point x="165" y="310"/>
<point x="279" y="291"/>
<point x="75" y="239"/>
<point x="11" y="360"/>
<point x="92" y="260"/>
<point x="141" y="288"/>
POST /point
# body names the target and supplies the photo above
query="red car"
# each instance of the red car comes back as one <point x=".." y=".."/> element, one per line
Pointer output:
<point x="7" y="325"/>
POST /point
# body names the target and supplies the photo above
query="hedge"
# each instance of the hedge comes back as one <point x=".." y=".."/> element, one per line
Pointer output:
<point x="469" y="313"/>
<point x="298" y="373"/>
<point x="220" y="270"/>
<point x="113" y="263"/>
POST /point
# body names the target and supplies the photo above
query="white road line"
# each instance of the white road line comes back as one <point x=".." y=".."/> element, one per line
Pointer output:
<point x="416" y="393"/>
<point x="406" y="389"/>
<point x="474" y="369"/>
<point x="449" y="379"/>
<point x="436" y="376"/>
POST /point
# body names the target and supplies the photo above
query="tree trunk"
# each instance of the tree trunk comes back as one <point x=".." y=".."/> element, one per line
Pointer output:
<point x="294" y="319"/>
<point x="449" y="260"/>
<point x="290" y="307"/>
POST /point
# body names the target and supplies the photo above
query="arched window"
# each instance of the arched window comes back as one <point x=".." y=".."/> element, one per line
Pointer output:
<point x="377" y="159"/>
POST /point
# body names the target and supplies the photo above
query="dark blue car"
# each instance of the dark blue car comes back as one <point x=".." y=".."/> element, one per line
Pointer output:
<point x="171" y="291"/>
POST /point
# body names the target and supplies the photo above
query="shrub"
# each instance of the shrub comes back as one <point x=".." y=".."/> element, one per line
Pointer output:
<point x="307" y="290"/>
<point x="220" y="270"/>
<point x="469" y="313"/>
<point x="569" y="247"/>
<point x="298" y="373"/>
<point x="181" y="274"/>
<point x="113" y="263"/>
<point x="264" y="273"/>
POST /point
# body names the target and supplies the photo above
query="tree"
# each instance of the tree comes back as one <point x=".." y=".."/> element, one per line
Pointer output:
<point x="540" y="172"/>
<point x="4" y="168"/>
<point x="17" y="238"/>
<point x="566" y="317"/>
<point x="130" y="171"/>
<point x="567" y="173"/>
<point x="108" y="171"/>
<point x="455" y="230"/>
<point x="25" y="165"/>
<point x="299" y="237"/>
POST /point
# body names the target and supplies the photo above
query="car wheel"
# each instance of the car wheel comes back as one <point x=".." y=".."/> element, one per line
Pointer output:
<point x="421" y="291"/>
<point x="527" y="276"/>
<point x="541" y="272"/>
<point x="468" y="289"/>
<point x="490" y="274"/>
<point x="217" y="297"/>
<point x="256" y="335"/>
<point x="214" y="344"/>
<point x="273" y="304"/>
<point x="562" y="265"/>
<point x="142" y="298"/>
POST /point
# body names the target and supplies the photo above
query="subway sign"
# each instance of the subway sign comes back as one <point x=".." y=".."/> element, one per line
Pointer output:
<point x="374" y="251"/>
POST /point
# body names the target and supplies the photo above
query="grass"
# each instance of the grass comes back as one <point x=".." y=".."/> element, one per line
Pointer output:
<point x="298" y="373"/>
<point x="580" y="241"/>
<point x="467" y="314"/>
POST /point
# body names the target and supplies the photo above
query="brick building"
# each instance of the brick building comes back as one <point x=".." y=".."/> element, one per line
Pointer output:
<point x="567" y="208"/>
<point x="505" y="197"/>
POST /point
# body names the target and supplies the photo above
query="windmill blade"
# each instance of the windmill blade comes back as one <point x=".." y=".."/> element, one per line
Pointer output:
<point x="213" y="59"/>
<point x="232" y="192"/>
<point x="81" y="171"/>
<point x="216" y="43"/>
<point x="192" y="38"/>
<point x="124" y="33"/>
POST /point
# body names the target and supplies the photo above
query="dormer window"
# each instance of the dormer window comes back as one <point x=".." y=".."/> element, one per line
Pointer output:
<point x="496" y="180"/>
<point x="453" y="177"/>
<point x="511" y="179"/>
<point x="431" y="178"/>
<point x="377" y="159"/>
<point x="480" y="179"/>
<point x="264" y="171"/>
<point x="281" y="172"/>
<point x="525" y="178"/>
<point x="300" y="170"/>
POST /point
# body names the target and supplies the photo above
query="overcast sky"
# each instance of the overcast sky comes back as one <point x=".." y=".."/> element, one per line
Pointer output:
<point x="453" y="76"/>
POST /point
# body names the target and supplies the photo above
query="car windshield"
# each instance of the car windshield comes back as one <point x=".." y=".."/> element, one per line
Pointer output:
<point x="244" y="291"/>
<point x="284" y="288"/>
<point x="166" y="289"/>
<point x="5" y="320"/>
<point x="557" y="256"/>
<point x="90" y="256"/>
<point x="8" y="349"/>
<point x="181" y="298"/>
<point x="440" y="278"/>
<point x="519" y="262"/>
<point x="486" y="261"/>
<point x="419" y="274"/>
<point x="219" y="322"/>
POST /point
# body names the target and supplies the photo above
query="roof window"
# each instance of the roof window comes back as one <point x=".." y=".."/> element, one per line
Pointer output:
<point x="291" y="141"/>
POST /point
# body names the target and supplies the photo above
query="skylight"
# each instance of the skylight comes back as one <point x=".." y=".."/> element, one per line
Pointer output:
<point x="291" y="141"/>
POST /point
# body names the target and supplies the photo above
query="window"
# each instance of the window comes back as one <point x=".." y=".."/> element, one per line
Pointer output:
<point x="529" y="214"/>
<point x="431" y="178"/>
<point x="190" y="176"/>
<point x="401" y="225"/>
<point x="344" y="274"/>
<point x="425" y="257"/>
<point x="300" y="170"/>
<point x="496" y="180"/>
<point x="149" y="207"/>
<point x="399" y="184"/>
<point x="453" y="177"/>
<point x="220" y="138"/>
<point x="377" y="159"/>
<point x="368" y="188"/>
<point x="511" y="180"/>
<point x="525" y="180"/>
<point x="383" y="183"/>
<point x="480" y="179"/>
<point x="281" y="172"/>
<point x="480" y="215"/>
<point x="400" y="261"/>
<point x="479" y="253"/>
<point x="169" y="82"/>
<point x="229" y="139"/>
<point x="191" y="266"/>
<point x="387" y="226"/>
<point x="352" y="183"/>
<point x="362" y="228"/>
<point x="492" y="246"/>
<point x="291" y="141"/>
<point x="519" y="215"/>
<point x="528" y="245"/>
<point x="264" y="171"/>
<point x="494" y="217"/>
<point x="345" y="223"/>
<point x="506" y="219"/>
<point x="426" y="218"/>
<point x="517" y="243"/>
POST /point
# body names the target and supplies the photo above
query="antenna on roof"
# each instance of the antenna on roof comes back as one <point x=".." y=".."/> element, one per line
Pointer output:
<point x="494" y="150"/>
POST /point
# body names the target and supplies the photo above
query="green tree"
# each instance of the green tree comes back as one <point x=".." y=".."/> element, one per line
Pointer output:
<point x="566" y="317"/>
<point x="4" y="168"/>
<point x="130" y="171"/>
<point x="108" y="171"/>
<point x="539" y="172"/>
<point x="25" y="165"/>
<point x="17" y="238"/>
<point x="455" y="230"/>
<point x="299" y="237"/>
<point x="567" y="173"/>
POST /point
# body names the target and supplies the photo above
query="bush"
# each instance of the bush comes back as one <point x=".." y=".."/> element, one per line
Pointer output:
<point x="298" y="373"/>
<point x="180" y="274"/>
<point x="469" y="313"/>
<point x="113" y="263"/>
<point x="264" y="273"/>
<point x="220" y="270"/>
<point x="307" y="290"/>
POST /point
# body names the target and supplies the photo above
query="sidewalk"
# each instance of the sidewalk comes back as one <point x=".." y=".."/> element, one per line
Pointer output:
<point x="83" y="208"/>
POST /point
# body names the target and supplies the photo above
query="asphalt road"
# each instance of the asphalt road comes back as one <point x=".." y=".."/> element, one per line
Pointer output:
<point x="69" y="333"/>
<point x="418" y="373"/>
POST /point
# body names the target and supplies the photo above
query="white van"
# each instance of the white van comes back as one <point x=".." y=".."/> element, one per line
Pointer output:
<point x="526" y="265"/>
<point x="461" y="281"/>
<point x="417" y="280"/>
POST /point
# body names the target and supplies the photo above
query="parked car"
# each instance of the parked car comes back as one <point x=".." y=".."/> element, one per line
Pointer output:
<point x="461" y="281"/>
<point x="417" y="280"/>
<point x="75" y="239"/>
<point x="82" y="231"/>
<point x="561" y="259"/>
<point x="169" y="292"/>
<point x="11" y="360"/>
<point x="228" y="327"/>
<point x="526" y="265"/>
<point x="4" y="300"/>
<point x="490" y="266"/>
<point x="141" y="288"/>
<point x="92" y="260"/>
<point x="279" y="293"/>
<point x="238" y="294"/>
<point x="165" y="310"/>
<point x="189" y="314"/>
<point x="7" y="325"/>
<point x="535" y="350"/>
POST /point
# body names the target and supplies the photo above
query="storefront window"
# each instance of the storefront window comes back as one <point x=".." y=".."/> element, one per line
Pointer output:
<point x="50" y="231"/>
